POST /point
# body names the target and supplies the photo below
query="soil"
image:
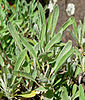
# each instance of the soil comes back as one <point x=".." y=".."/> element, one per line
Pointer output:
<point x="79" y="15"/>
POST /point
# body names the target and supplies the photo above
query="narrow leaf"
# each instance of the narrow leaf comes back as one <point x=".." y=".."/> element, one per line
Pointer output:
<point x="64" y="54"/>
<point x="83" y="63"/>
<point x="42" y="13"/>
<point x="67" y="23"/>
<point x="49" y="23"/>
<point x="28" y="95"/>
<point x="15" y="35"/>
<point x="28" y="47"/>
<point x="74" y="90"/>
<point x="76" y="95"/>
<point x="55" y="18"/>
<point x="48" y="27"/>
<point x="19" y="62"/>
<point x="1" y="61"/>
<point x="75" y="28"/>
<point x="43" y="36"/>
<point x="81" y="92"/>
<point x="55" y="39"/>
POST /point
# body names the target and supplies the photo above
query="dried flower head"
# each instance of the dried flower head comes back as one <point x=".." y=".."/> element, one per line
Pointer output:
<point x="70" y="9"/>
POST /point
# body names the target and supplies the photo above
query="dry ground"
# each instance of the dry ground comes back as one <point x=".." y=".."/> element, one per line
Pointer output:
<point x="79" y="14"/>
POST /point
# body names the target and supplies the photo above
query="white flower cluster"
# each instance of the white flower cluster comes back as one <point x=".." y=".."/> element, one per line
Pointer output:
<point x="70" y="9"/>
<point x="51" y="5"/>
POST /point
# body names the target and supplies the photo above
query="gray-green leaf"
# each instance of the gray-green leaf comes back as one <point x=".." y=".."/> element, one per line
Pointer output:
<point x="28" y="47"/>
<point x="81" y="92"/>
<point x="15" y="35"/>
<point x="55" y="18"/>
<point x="19" y="62"/>
<point x="64" y="54"/>
<point x="55" y="39"/>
